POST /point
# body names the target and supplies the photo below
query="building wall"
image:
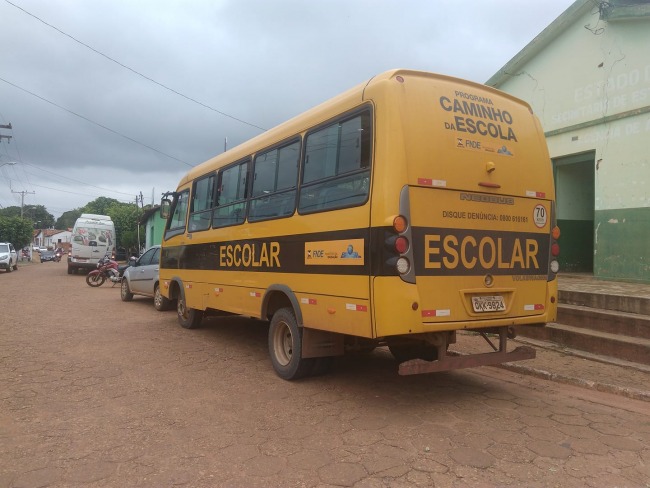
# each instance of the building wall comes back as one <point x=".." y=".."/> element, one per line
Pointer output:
<point x="56" y="240"/>
<point x="154" y="228"/>
<point x="590" y="87"/>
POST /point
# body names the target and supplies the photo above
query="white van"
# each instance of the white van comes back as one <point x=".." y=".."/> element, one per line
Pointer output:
<point x="93" y="236"/>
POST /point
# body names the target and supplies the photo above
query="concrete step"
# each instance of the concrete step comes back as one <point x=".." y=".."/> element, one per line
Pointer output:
<point x="623" y="303"/>
<point x="634" y="349"/>
<point x="612" y="322"/>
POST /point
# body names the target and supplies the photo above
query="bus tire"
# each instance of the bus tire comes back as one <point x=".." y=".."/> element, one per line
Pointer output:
<point x="189" y="318"/>
<point x="285" y="346"/>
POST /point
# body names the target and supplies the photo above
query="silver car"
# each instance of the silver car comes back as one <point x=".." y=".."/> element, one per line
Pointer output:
<point x="141" y="278"/>
<point x="8" y="257"/>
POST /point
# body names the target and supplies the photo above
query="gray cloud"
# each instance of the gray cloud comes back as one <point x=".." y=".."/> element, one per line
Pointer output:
<point x="260" y="61"/>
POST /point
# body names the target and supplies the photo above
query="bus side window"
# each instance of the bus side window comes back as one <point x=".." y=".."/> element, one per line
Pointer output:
<point x="177" y="221"/>
<point x="337" y="166"/>
<point x="274" y="183"/>
<point x="202" y="203"/>
<point x="231" y="195"/>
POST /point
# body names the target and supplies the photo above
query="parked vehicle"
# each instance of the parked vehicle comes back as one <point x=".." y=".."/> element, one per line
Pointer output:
<point x="107" y="269"/>
<point x="141" y="278"/>
<point x="8" y="257"/>
<point x="93" y="236"/>
<point x="48" y="256"/>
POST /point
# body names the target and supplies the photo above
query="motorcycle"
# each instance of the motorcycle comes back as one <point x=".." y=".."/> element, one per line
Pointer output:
<point x="107" y="269"/>
<point x="57" y="255"/>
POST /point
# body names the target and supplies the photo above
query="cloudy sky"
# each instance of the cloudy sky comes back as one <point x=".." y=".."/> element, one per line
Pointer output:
<point x="117" y="98"/>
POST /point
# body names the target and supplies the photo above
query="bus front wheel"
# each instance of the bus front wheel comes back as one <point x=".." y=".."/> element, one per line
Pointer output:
<point x="285" y="346"/>
<point x="189" y="318"/>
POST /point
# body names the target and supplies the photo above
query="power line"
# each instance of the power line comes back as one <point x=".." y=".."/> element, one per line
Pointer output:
<point x="95" y="123"/>
<point x="76" y="193"/>
<point x="136" y="72"/>
<point x="72" y="179"/>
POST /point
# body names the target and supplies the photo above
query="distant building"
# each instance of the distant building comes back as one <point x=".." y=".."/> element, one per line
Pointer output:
<point x="154" y="226"/>
<point x="52" y="238"/>
<point x="587" y="77"/>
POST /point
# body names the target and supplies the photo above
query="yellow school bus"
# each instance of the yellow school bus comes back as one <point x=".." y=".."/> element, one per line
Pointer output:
<point x="404" y="210"/>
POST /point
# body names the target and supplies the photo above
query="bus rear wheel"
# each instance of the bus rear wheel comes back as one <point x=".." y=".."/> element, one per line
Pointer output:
<point x="285" y="346"/>
<point x="189" y="318"/>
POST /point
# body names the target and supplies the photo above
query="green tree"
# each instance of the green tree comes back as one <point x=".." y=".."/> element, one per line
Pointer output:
<point x="16" y="230"/>
<point x="67" y="219"/>
<point x="38" y="214"/>
<point x="101" y="205"/>
<point x="125" y="217"/>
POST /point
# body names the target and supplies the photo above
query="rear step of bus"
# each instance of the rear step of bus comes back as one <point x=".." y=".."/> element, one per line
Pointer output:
<point x="447" y="362"/>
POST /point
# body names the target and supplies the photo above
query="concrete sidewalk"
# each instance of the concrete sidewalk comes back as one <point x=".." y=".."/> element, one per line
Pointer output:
<point x="573" y="367"/>
<point x="569" y="366"/>
<point x="585" y="370"/>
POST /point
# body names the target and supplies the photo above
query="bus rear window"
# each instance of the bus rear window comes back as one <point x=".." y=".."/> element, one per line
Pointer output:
<point x="337" y="165"/>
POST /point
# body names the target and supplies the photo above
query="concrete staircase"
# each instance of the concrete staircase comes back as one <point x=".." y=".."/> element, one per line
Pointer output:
<point x="610" y="319"/>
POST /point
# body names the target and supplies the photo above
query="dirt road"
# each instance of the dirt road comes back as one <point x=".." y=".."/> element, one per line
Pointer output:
<point x="96" y="393"/>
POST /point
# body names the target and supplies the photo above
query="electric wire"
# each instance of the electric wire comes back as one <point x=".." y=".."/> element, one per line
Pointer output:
<point x="72" y="179"/>
<point x="96" y="123"/>
<point x="137" y="72"/>
<point x="79" y="193"/>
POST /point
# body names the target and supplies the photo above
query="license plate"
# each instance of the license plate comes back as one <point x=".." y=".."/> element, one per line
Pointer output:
<point x="482" y="304"/>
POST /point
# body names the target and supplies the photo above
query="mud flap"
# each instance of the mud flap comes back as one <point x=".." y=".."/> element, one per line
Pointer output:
<point x="320" y="343"/>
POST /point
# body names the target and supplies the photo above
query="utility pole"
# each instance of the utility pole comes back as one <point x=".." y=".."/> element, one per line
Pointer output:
<point x="138" y="221"/>
<point x="22" y="199"/>
<point x="8" y="126"/>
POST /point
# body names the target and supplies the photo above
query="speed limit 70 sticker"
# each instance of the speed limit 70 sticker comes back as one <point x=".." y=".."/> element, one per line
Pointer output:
<point x="540" y="215"/>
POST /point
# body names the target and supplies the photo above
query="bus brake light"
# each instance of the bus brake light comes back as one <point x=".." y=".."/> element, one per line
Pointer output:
<point x="401" y="244"/>
<point x="555" y="250"/>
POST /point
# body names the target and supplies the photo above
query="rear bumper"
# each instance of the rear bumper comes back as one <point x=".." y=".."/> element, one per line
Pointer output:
<point x="88" y="266"/>
<point x="447" y="363"/>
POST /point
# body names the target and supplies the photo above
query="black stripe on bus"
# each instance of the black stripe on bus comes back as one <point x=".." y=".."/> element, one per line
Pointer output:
<point x="278" y="254"/>
<point x="436" y="252"/>
<point x="471" y="252"/>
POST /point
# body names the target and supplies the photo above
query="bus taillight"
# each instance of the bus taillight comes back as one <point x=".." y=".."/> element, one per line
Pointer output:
<point x="555" y="250"/>
<point x="401" y="244"/>
<point x="555" y="247"/>
<point x="400" y="224"/>
<point x="403" y="266"/>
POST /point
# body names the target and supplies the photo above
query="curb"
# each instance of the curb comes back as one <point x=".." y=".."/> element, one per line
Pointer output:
<point x="632" y="393"/>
